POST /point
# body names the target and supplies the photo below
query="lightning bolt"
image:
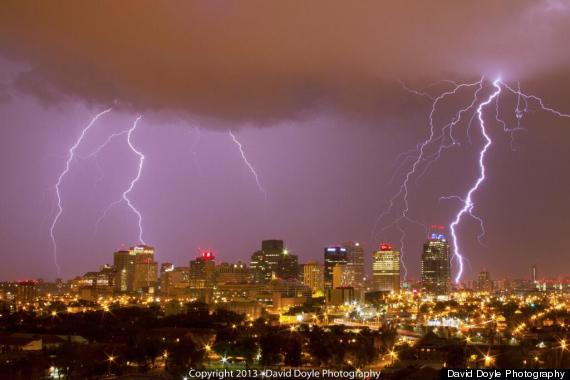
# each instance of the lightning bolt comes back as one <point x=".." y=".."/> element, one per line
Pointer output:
<point x="104" y="144"/>
<point x="430" y="150"/>
<point x="422" y="156"/>
<point x="70" y="158"/>
<point x="467" y="201"/>
<point x="125" y="196"/>
<point x="248" y="164"/>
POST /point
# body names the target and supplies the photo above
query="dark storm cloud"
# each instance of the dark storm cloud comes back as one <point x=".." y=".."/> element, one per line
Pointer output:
<point x="260" y="60"/>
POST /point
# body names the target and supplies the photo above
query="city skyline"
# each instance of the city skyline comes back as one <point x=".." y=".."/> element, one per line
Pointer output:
<point x="378" y="260"/>
<point x="308" y="143"/>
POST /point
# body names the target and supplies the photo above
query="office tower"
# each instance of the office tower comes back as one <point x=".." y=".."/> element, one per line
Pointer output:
<point x="484" y="283"/>
<point x="534" y="278"/>
<point x="333" y="256"/>
<point x="145" y="269"/>
<point x="436" y="275"/>
<point x="124" y="265"/>
<point x="343" y="276"/>
<point x="313" y="276"/>
<point x="355" y="260"/>
<point x="237" y="273"/>
<point x="174" y="281"/>
<point x="202" y="271"/>
<point x="273" y="260"/>
<point x="386" y="269"/>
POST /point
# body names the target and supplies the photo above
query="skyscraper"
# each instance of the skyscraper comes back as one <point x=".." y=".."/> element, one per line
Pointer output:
<point x="273" y="260"/>
<point x="124" y="265"/>
<point x="436" y="275"/>
<point x="313" y="276"/>
<point x="333" y="256"/>
<point x="145" y="269"/>
<point x="135" y="269"/>
<point x="386" y="269"/>
<point x="355" y="262"/>
<point x="343" y="276"/>
<point x="202" y="271"/>
<point x="174" y="281"/>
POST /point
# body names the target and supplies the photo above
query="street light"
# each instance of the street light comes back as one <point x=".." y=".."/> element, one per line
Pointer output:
<point x="111" y="360"/>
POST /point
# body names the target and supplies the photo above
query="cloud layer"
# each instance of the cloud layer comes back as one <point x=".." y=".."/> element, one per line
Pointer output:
<point x="263" y="61"/>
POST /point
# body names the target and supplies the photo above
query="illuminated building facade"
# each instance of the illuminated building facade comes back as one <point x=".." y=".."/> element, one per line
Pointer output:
<point x="124" y="265"/>
<point x="343" y="276"/>
<point x="202" y="271"/>
<point x="273" y="261"/>
<point x="237" y="273"/>
<point x="145" y="269"/>
<point x="313" y="276"/>
<point x="26" y="291"/>
<point x="135" y="270"/>
<point x="436" y="274"/>
<point x="386" y="269"/>
<point x="355" y="262"/>
<point x="174" y="280"/>
<point x="333" y="256"/>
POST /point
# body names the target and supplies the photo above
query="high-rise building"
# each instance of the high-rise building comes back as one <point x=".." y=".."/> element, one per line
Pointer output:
<point x="386" y="269"/>
<point x="333" y="256"/>
<point x="273" y="260"/>
<point x="124" y="265"/>
<point x="203" y="270"/>
<point x="484" y="283"/>
<point x="313" y="276"/>
<point x="174" y="280"/>
<point x="288" y="268"/>
<point x="436" y="274"/>
<point x="135" y="270"/>
<point x="145" y="269"/>
<point x="355" y="261"/>
<point x="343" y="276"/>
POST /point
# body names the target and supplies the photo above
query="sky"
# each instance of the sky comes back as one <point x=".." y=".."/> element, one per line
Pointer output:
<point x="319" y="94"/>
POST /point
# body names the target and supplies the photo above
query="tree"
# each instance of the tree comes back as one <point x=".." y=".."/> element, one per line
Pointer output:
<point x="293" y="351"/>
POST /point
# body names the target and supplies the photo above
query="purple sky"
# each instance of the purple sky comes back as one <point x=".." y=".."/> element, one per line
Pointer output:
<point x="315" y="99"/>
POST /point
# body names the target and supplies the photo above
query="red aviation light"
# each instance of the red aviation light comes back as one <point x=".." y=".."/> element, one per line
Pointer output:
<point x="386" y="247"/>
<point x="208" y="255"/>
